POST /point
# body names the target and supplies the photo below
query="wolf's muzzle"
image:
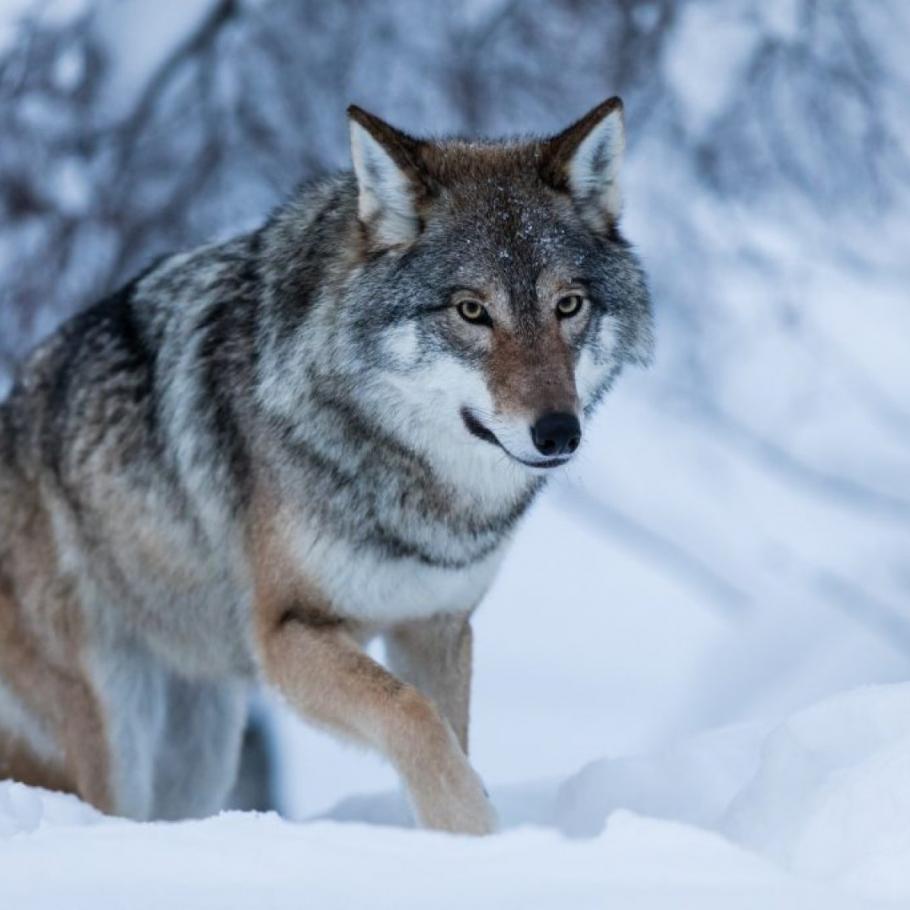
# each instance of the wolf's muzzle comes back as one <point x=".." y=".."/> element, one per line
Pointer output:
<point x="554" y="434"/>
<point x="557" y="433"/>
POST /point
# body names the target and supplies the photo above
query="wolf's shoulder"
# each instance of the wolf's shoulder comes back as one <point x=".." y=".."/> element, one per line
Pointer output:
<point x="126" y="325"/>
<point x="99" y="368"/>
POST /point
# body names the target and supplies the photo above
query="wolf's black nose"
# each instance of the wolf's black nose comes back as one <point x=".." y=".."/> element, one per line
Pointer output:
<point x="556" y="434"/>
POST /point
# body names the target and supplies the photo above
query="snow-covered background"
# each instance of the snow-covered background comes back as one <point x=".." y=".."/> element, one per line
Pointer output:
<point x="733" y="544"/>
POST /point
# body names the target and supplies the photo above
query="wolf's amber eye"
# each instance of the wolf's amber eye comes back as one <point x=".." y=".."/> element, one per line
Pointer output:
<point x="472" y="311"/>
<point x="568" y="306"/>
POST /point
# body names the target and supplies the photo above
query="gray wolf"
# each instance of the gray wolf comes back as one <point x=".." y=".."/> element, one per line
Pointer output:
<point x="260" y="454"/>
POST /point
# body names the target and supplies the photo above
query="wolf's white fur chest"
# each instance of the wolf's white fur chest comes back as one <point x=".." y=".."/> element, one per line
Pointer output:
<point x="366" y="585"/>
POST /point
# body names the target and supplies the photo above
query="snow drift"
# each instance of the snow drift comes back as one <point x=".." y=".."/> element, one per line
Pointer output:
<point x="814" y="812"/>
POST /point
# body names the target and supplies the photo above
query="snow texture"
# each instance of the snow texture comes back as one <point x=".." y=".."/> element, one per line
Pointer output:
<point x="812" y="814"/>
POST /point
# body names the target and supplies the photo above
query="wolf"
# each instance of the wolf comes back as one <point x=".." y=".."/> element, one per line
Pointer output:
<point x="260" y="454"/>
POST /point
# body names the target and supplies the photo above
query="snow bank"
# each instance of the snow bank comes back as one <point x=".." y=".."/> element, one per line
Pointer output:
<point x="247" y="860"/>
<point x="831" y="797"/>
<point x="814" y="813"/>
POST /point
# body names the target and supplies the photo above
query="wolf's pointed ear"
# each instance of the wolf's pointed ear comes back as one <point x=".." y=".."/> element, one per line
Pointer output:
<point x="389" y="185"/>
<point x="584" y="161"/>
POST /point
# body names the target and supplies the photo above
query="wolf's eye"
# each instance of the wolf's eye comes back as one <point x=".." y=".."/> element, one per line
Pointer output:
<point x="569" y="306"/>
<point x="472" y="311"/>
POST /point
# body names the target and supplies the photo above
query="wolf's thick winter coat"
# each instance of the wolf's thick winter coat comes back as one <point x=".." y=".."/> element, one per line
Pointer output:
<point x="259" y="454"/>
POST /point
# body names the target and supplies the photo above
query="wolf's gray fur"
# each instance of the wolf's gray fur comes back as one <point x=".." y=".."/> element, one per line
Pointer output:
<point x="259" y="453"/>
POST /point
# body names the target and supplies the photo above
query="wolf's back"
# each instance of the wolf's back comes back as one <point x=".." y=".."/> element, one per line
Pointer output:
<point x="6" y="479"/>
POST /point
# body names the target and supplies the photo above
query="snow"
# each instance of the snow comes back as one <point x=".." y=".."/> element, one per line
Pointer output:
<point x="812" y="813"/>
<point x="831" y="798"/>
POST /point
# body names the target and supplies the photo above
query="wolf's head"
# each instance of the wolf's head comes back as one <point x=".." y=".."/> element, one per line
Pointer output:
<point x="493" y="290"/>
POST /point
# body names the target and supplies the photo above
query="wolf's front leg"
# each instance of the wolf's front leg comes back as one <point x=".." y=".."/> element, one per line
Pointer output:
<point x="332" y="682"/>
<point x="434" y="655"/>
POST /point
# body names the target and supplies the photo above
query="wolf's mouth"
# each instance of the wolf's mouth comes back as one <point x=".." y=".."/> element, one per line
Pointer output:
<point x="476" y="428"/>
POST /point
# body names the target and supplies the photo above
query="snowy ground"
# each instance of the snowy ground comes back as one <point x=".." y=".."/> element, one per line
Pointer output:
<point x="811" y="813"/>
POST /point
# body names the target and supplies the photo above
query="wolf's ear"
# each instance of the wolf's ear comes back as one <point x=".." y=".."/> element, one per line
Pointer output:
<point x="584" y="161"/>
<point x="389" y="185"/>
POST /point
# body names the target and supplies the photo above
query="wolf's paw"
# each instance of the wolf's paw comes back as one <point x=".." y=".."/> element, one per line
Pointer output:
<point x="451" y="797"/>
<point x="461" y="810"/>
<point x="445" y="791"/>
